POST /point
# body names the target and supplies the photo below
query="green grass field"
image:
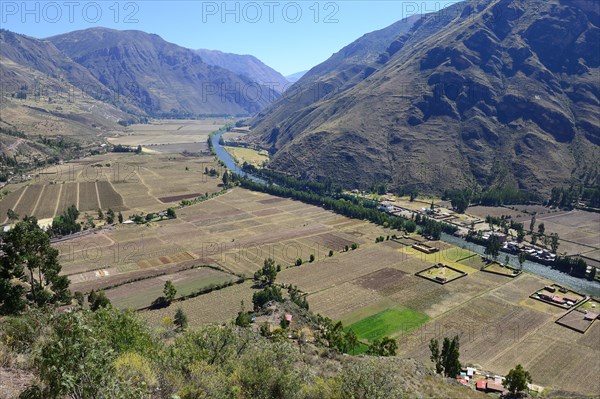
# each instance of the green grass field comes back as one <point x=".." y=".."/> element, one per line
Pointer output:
<point x="387" y="322"/>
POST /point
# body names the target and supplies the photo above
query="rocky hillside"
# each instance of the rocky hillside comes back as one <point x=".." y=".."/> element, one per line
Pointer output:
<point x="483" y="93"/>
<point x="160" y="77"/>
<point x="246" y="65"/>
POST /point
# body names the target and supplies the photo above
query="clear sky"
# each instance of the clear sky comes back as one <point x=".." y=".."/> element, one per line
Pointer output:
<point x="289" y="36"/>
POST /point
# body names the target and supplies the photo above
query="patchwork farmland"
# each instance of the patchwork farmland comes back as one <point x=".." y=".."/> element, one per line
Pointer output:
<point x="122" y="182"/>
<point x="373" y="289"/>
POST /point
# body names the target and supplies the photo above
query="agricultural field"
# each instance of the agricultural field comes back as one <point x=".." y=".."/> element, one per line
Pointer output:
<point x="216" y="307"/>
<point x="579" y="231"/>
<point x="387" y="323"/>
<point x="170" y="136"/>
<point x="120" y="181"/>
<point x="249" y="155"/>
<point x="495" y="267"/>
<point x="373" y="288"/>
<point x="145" y="291"/>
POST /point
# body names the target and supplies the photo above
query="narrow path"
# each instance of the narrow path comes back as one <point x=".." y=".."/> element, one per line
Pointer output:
<point x="18" y="202"/>
<point x="98" y="195"/>
<point x="58" y="200"/>
<point x="77" y="195"/>
<point x="37" y="203"/>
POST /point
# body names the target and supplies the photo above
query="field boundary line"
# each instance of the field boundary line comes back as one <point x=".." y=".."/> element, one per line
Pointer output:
<point x="37" y="203"/>
<point x="98" y="195"/>
<point x="78" y="207"/>
<point x="17" y="203"/>
<point x="58" y="200"/>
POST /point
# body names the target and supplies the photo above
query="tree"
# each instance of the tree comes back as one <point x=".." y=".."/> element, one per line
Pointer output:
<point x="311" y="258"/>
<point x="78" y="295"/>
<point x="298" y="262"/>
<point x="171" y="213"/>
<point x="120" y="217"/>
<point x="26" y="248"/>
<point x="100" y="214"/>
<point x="330" y="253"/>
<point x="383" y="347"/>
<point x="541" y="229"/>
<point x="532" y="224"/>
<point x="450" y="357"/>
<point x="534" y="238"/>
<point x="270" y="293"/>
<point x="592" y="274"/>
<point x="98" y="300"/>
<point x="520" y="235"/>
<point x="459" y="203"/>
<point x="226" y="179"/>
<point x="268" y="273"/>
<point x="517" y="379"/>
<point x="139" y="149"/>
<point x="434" y="348"/>
<point x="554" y="242"/>
<point x="522" y="259"/>
<point x="169" y="291"/>
<point x="493" y="247"/>
<point x="110" y="216"/>
<point x="12" y="215"/>
<point x="180" y="320"/>
<point x="351" y="340"/>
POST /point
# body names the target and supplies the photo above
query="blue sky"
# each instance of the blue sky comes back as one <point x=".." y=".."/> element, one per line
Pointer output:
<point x="289" y="36"/>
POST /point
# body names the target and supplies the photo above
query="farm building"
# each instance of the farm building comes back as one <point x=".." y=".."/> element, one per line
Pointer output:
<point x="489" y="386"/>
<point x="425" y="248"/>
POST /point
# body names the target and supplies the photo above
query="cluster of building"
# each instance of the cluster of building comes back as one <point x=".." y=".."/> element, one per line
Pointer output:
<point x="516" y="247"/>
<point x="471" y="377"/>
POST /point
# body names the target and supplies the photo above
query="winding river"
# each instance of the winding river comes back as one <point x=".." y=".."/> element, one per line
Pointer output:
<point x="578" y="284"/>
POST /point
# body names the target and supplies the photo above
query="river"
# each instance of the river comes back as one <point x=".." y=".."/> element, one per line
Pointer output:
<point x="578" y="284"/>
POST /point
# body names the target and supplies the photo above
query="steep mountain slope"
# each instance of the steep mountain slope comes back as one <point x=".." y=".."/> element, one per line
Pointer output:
<point x="296" y="76"/>
<point x="489" y="92"/>
<point x="44" y="92"/>
<point x="160" y="77"/>
<point x="340" y="72"/>
<point x="246" y="65"/>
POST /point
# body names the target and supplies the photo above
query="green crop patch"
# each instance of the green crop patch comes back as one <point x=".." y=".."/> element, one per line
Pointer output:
<point x="388" y="322"/>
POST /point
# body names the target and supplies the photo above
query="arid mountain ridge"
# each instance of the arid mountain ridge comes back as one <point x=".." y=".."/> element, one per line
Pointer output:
<point x="483" y="93"/>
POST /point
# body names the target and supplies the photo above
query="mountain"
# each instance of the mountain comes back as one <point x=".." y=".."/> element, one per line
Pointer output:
<point x="296" y="76"/>
<point x="44" y="92"/>
<point x="160" y="77"/>
<point x="246" y="65"/>
<point x="339" y="73"/>
<point x="483" y="93"/>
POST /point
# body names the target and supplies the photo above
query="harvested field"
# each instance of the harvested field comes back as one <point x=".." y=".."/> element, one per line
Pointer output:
<point x="141" y="293"/>
<point x="339" y="269"/>
<point x="9" y="202"/>
<point x="381" y="280"/>
<point x="88" y="197"/>
<point x="48" y="201"/>
<point x="68" y="196"/>
<point x="29" y="200"/>
<point x="109" y="198"/>
<point x="577" y="320"/>
<point x="342" y="300"/>
<point x="213" y="308"/>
